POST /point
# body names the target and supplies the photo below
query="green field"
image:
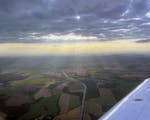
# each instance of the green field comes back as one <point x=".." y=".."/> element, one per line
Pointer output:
<point x="74" y="102"/>
<point x="33" y="81"/>
<point x="46" y="106"/>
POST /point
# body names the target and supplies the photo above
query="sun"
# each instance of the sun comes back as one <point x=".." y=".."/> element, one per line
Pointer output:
<point x="78" y="17"/>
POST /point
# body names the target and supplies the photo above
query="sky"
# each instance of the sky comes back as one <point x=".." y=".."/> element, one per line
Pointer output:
<point x="70" y="23"/>
<point x="78" y="48"/>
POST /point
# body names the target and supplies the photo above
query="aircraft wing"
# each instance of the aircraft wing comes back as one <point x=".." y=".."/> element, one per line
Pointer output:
<point x="135" y="106"/>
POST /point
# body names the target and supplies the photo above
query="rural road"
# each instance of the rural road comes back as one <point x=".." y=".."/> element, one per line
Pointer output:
<point x="84" y="94"/>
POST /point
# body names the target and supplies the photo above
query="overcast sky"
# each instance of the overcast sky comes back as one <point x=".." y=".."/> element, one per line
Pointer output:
<point x="24" y="21"/>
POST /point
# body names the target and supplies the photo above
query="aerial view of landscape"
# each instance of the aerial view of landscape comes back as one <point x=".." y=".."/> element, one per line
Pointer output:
<point x="71" y="59"/>
<point x="61" y="88"/>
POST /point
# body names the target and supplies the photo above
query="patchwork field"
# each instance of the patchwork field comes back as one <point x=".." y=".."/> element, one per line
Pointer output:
<point x="57" y="91"/>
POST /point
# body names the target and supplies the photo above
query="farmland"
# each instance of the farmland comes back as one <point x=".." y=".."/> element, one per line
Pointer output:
<point x="55" y="90"/>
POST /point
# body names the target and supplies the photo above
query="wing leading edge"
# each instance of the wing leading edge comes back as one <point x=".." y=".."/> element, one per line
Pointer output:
<point x="135" y="106"/>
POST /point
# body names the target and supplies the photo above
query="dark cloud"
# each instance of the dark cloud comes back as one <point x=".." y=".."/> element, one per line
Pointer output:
<point x="143" y="41"/>
<point x="105" y="19"/>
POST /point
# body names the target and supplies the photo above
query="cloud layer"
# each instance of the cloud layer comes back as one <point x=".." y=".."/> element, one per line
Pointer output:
<point x="32" y="20"/>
